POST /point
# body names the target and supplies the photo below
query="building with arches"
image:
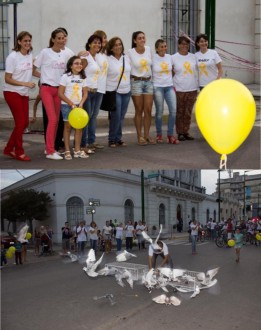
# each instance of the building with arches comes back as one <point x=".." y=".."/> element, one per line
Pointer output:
<point x="100" y="195"/>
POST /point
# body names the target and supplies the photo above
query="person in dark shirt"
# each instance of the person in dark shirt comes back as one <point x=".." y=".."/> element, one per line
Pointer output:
<point x="66" y="235"/>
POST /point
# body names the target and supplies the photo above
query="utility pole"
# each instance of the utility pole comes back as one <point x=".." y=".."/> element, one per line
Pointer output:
<point x="142" y="197"/>
<point x="210" y="21"/>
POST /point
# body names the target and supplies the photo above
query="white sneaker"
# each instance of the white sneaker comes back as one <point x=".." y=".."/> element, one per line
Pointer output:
<point x="54" y="156"/>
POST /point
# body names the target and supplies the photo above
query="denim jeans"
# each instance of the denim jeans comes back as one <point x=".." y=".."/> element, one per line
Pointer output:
<point x="193" y="242"/>
<point x="167" y="94"/>
<point x="81" y="246"/>
<point x="119" y="243"/>
<point x="93" y="244"/>
<point x="117" y="117"/>
<point x="92" y="107"/>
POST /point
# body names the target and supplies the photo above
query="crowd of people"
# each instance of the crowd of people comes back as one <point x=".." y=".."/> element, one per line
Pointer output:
<point x="69" y="80"/>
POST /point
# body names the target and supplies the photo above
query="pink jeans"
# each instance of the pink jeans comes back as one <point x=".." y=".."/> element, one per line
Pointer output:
<point x="52" y="104"/>
<point x="19" y="106"/>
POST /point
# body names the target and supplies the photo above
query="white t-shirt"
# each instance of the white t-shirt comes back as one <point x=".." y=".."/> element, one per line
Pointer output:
<point x="74" y="85"/>
<point x="119" y="232"/>
<point x="68" y="52"/>
<point x="140" y="229"/>
<point x="194" y="229"/>
<point x="107" y="230"/>
<point x="52" y="65"/>
<point x="207" y="66"/>
<point x="186" y="76"/>
<point x="114" y="73"/>
<point x="93" y="233"/>
<point x="92" y="71"/>
<point x="102" y="61"/>
<point x="81" y="234"/>
<point x="129" y="230"/>
<point x="164" y="250"/>
<point x="162" y="70"/>
<point x="20" y="66"/>
<point x="140" y="63"/>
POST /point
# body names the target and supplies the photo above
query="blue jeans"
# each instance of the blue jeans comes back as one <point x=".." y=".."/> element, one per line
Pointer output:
<point x="167" y="94"/>
<point x="93" y="244"/>
<point x="117" y="117"/>
<point x="119" y="243"/>
<point x="81" y="246"/>
<point x="92" y="107"/>
<point x="193" y="242"/>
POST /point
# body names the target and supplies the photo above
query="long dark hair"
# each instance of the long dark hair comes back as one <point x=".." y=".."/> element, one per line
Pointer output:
<point x="91" y="39"/>
<point x="111" y="44"/>
<point x="53" y="35"/>
<point x="134" y="37"/>
<point x="201" y="35"/>
<point x="20" y="37"/>
<point x="69" y="67"/>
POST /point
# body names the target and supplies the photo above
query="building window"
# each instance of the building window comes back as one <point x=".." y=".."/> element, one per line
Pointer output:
<point x="129" y="210"/>
<point x="179" y="212"/>
<point x="207" y="215"/>
<point x="215" y="215"/>
<point x="193" y="214"/>
<point x="74" y="210"/>
<point x="3" y="35"/>
<point x="162" y="215"/>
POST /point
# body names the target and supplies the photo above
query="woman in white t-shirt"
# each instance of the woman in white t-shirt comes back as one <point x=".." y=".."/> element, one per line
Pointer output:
<point x="163" y="90"/>
<point x="115" y="53"/>
<point x="93" y="230"/>
<point x="119" y="236"/>
<point x="18" y="80"/>
<point x="52" y="63"/>
<point x="186" y="84"/>
<point x="73" y="93"/>
<point x="129" y="235"/>
<point x="92" y="71"/>
<point x="141" y="86"/>
<point x="208" y="61"/>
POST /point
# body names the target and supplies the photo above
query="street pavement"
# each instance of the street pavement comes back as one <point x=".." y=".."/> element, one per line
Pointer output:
<point x="188" y="154"/>
<point x="52" y="294"/>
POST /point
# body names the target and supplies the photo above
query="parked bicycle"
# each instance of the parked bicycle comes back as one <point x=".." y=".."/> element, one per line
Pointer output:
<point x="221" y="239"/>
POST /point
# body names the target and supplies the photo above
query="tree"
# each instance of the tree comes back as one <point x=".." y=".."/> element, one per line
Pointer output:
<point x="24" y="206"/>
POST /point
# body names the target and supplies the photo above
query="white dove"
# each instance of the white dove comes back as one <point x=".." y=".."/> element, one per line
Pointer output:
<point x="72" y="256"/>
<point x="163" y="299"/>
<point x="177" y="273"/>
<point x="212" y="272"/>
<point x="147" y="238"/>
<point x="149" y="280"/>
<point x="165" y="271"/>
<point x="107" y="271"/>
<point x="91" y="264"/>
<point x="124" y="274"/>
<point x="196" y="292"/>
<point x="22" y="234"/>
<point x="125" y="255"/>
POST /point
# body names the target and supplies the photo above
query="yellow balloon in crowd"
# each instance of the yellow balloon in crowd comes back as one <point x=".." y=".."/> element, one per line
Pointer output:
<point x="78" y="118"/>
<point x="12" y="249"/>
<point x="231" y="243"/>
<point x="28" y="235"/>
<point x="9" y="254"/>
<point x="225" y="112"/>
<point x="258" y="237"/>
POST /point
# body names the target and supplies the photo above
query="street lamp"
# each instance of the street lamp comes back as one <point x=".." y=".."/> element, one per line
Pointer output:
<point x="244" y="196"/>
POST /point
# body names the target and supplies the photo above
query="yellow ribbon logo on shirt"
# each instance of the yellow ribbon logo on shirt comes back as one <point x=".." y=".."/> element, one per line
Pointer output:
<point x="187" y="68"/>
<point x="203" y="69"/>
<point x="96" y="75"/>
<point x="165" y="68"/>
<point x="75" y="93"/>
<point x="123" y="76"/>
<point x="144" y="65"/>
<point x="104" y="68"/>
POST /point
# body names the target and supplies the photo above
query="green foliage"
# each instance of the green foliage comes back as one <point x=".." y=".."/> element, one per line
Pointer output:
<point x="25" y="205"/>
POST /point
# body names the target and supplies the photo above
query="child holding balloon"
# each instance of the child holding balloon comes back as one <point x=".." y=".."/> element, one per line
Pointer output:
<point x="73" y="93"/>
<point x="238" y="236"/>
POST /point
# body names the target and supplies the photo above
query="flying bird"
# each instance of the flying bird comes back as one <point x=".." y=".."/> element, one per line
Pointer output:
<point x="125" y="274"/>
<point x="149" y="239"/>
<point x="22" y="234"/>
<point x="92" y="264"/>
<point x="124" y="256"/>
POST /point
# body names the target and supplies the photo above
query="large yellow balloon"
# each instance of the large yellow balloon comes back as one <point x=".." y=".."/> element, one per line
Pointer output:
<point x="11" y="249"/>
<point x="231" y="243"/>
<point x="9" y="255"/>
<point x="78" y="118"/>
<point x="225" y="113"/>
<point x="28" y="235"/>
<point x="258" y="237"/>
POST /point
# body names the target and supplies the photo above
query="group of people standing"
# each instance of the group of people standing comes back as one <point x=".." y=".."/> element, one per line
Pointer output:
<point x="68" y="81"/>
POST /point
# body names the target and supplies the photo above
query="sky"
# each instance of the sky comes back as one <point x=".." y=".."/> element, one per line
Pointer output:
<point x="208" y="177"/>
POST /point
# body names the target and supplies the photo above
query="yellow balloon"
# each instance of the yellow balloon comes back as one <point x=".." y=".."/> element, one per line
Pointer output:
<point x="258" y="237"/>
<point x="28" y="235"/>
<point x="225" y="113"/>
<point x="231" y="242"/>
<point x="9" y="254"/>
<point x="78" y="118"/>
<point x="11" y="249"/>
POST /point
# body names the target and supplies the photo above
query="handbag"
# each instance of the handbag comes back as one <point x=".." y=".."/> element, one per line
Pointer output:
<point x="109" y="98"/>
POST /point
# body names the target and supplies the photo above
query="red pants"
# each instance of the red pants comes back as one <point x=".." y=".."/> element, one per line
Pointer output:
<point x="52" y="104"/>
<point x="185" y="103"/>
<point x="19" y="106"/>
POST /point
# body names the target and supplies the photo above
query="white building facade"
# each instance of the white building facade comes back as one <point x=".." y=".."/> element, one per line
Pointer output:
<point x="237" y="26"/>
<point x="168" y="196"/>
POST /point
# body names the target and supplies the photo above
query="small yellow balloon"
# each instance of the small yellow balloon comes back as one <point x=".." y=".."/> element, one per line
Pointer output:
<point x="258" y="237"/>
<point x="28" y="235"/>
<point x="225" y="113"/>
<point x="12" y="249"/>
<point x="231" y="242"/>
<point x="78" y="118"/>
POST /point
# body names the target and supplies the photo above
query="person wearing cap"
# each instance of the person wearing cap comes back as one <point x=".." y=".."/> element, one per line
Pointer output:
<point x="159" y="249"/>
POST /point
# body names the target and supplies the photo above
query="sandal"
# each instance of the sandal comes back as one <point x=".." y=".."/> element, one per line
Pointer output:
<point x="80" y="154"/>
<point x="112" y="144"/>
<point x="172" y="140"/>
<point x="88" y="151"/>
<point x="67" y="155"/>
<point x="142" y="141"/>
<point x="10" y="154"/>
<point x="121" y="143"/>
<point x="150" y="140"/>
<point x="159" y="138"/>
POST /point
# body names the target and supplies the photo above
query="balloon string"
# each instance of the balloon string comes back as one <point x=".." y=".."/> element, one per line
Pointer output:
<point x="223" y="162"/>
